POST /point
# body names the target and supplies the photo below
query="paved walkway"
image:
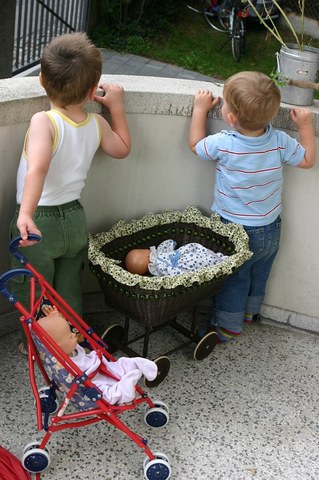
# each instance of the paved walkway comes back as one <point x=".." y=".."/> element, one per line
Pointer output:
<point x="115" y="63"/>
<point x="249" y="411"/>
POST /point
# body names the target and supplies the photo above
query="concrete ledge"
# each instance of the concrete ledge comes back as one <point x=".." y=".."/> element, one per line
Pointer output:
<point x="20" y="98"/>
<point x="290" y="319"/>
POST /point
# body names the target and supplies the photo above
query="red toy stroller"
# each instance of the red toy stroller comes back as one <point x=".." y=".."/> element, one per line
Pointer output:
<point x="68" y="386"/>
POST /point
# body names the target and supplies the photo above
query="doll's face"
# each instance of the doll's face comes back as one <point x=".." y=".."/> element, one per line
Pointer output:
<point x="58" y="328"/>
<point x="137" y="261"/>
<point x="68" y="340"/>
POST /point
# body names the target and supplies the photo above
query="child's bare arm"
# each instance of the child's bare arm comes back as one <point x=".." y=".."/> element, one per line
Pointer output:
<point x="302" y="117"/>
<point x="115" y="139"/>
<point x="39" y="152"/>
<point x="203" y="103"/>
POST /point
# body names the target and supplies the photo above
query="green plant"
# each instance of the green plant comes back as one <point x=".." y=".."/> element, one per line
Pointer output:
<point x="122" y="24"/>
<point x="270" y="25"/>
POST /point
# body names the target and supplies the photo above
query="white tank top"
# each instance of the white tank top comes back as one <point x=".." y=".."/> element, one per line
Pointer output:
<point x="73" y="149"/>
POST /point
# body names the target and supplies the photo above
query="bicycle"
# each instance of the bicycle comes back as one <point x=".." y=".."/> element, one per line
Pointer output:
<point x="229" y="16"/>
<point x="224" y="17"/>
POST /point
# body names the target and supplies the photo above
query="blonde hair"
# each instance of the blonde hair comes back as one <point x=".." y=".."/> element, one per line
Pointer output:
<point x="70" y="66"/>
<point x="253" y="97"/>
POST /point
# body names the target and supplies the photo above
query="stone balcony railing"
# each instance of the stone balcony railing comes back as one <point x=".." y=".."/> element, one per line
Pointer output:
<point x="162" y="173"/>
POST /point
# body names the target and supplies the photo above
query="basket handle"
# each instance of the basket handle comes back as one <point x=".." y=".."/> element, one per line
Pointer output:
<point x="14" y="244"/>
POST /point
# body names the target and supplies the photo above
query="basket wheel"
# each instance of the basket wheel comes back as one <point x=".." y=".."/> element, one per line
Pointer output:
<point x="163" y="366"/>
<point x="205" y="346"/>
<point x="113" y="337"/>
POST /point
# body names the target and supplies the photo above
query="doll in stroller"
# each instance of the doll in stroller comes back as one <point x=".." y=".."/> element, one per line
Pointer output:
<point x="71" y="398"/>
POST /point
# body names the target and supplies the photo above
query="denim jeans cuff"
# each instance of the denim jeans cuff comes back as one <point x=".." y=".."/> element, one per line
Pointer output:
<point x="232" y="321"/>
<point x="254" y="304"/>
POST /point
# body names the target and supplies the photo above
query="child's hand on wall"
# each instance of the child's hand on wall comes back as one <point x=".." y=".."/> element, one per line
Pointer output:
<point x="204" y="100"/>
<point x="113" y="97"/>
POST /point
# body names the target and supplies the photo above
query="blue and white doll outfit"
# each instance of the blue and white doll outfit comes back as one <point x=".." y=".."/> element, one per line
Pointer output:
<point x="165" y="260"/>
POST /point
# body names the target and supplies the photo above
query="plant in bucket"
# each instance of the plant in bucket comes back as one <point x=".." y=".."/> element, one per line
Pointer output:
<point x="297" y="63"/>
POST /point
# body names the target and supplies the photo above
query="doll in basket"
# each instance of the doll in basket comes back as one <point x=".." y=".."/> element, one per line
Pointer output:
<point x="127" y="370"/>
<point x="166" y="260"/>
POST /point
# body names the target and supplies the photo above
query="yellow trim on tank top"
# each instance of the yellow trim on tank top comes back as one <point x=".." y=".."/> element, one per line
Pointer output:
<point x="98" y="127"/>
<point x="71" y="122"/>
<point x="55" y="140"/>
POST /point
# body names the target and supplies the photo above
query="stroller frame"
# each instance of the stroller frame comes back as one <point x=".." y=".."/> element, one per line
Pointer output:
<point x="50" y="416"/>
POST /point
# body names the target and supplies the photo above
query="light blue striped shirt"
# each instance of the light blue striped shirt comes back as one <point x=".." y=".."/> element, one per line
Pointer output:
<point x="249" y="173"/>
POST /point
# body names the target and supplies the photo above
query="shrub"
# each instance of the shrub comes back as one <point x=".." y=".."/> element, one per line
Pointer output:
<point x="118" y="24"/>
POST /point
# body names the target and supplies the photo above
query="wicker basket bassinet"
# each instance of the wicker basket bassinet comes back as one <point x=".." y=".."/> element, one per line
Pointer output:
<point x="154" y="300"/>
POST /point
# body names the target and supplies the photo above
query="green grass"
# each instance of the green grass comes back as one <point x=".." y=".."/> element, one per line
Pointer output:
<point x="192" y="44"/>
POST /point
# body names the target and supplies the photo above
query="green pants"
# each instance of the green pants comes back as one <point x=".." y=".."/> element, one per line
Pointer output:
<point x="59" y="256"/>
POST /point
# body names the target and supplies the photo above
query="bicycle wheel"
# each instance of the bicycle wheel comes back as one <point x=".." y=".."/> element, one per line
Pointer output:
<point x="237" y="33"/>
<point x="211" y="13"/>
<point x="197" y="6"/>
<point x="223" y="15"/>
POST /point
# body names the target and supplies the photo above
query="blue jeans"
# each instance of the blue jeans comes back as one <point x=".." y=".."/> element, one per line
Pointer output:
<point x="244" y="291"/>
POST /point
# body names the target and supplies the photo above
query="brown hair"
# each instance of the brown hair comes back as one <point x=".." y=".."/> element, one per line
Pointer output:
<point x="71" y="65"/>
<point x="253" y="97"/>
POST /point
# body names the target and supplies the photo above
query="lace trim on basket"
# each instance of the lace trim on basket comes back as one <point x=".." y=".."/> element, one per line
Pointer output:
<point x="234" y="232"/>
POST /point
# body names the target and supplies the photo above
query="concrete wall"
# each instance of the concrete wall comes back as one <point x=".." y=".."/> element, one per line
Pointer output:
<point x="161" y="173"/>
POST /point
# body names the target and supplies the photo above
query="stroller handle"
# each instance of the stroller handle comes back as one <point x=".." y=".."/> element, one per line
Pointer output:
<point x="14" y="244"/>
<point x="5" y="277"/>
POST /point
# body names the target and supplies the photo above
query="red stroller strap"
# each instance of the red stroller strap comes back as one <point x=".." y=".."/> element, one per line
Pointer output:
<point x="102" y="368"/>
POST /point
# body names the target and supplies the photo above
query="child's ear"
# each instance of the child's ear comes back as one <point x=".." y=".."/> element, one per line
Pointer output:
<point x="92" y="92"/>
<point x="232" y="119"/>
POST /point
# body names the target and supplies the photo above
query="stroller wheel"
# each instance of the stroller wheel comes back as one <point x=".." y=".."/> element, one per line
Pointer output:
<point x="49" y="403"/>
<point x="163" y="366"/>
<point x="31" y="445"/>
<point x="158" y="469"/>
<point x="159" y="455"/>
<point x="113" y="337"/>
<point x="160" y="404"/>
<point x="157" y="416"/>
<point x="205" y="346"/>
<point x="35" y="460"/>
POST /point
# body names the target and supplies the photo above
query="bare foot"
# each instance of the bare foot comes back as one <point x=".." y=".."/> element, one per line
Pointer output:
<point x="48" y="309"/>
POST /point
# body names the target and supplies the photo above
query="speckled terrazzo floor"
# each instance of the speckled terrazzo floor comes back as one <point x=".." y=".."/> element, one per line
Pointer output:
<point x="249" y="411"/>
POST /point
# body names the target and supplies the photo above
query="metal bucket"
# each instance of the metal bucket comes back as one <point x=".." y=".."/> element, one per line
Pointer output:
<point x="297" y="65"/>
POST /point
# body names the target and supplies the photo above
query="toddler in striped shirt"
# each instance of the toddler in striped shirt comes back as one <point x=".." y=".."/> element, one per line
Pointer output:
<point x="249" y="159"/>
